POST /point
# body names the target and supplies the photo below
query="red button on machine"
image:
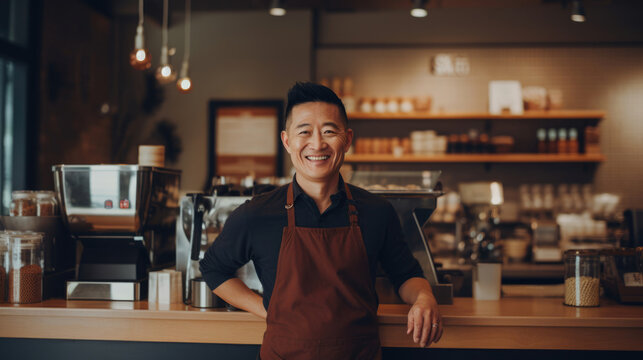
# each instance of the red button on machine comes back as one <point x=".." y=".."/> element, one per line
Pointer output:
<point x="124" y="204"/>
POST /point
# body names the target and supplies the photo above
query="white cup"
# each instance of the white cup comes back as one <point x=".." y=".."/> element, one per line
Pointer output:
<point x="487" y="279"/>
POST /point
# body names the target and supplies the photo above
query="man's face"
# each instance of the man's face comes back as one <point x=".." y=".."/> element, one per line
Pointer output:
<point x="316" y="139"/>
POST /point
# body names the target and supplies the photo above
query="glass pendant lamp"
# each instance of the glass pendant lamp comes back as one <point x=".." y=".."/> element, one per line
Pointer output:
<point x="140" y="58"/>
<point x="165" y="73"/>
<point x="184" y="84"/>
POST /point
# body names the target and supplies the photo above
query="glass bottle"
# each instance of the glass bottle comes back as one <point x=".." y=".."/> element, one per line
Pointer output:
<point x="582" y="278"/>
<point x="541" y="135"/>
<point x="484" y="143"/>
<point x="572" y="144"/>
<point x="348" y="99"/>
<point x="393" y="105"/>
<point x="552" y="146"/>
<point x="562" y="141"/>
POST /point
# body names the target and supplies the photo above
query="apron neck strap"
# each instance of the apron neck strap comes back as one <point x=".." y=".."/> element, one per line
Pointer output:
<point x="290" y="208"/>
<point x="352" y="210"/>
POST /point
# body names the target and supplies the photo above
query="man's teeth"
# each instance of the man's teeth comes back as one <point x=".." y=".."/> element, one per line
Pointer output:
<point x="324" y="157"/>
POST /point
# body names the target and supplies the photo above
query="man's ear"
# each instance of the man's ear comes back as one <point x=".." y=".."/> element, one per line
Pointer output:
<point x="349" y="139"/>
<point x="284" y="140"/>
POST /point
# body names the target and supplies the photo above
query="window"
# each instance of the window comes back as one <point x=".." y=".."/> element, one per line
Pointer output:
<point x="13" y="21"/>
<point x="13" y="94"/>
<point x="15" y="63"/>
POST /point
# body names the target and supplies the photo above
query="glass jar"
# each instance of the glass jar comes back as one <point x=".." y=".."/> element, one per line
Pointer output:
<point x="582" y="278"/>
<point x="4" y="266"/>
<point x="46" y="203"/>
<point x="366" y="105"/>
<point x="25" y="268"/>
<point x="380" y="105"/>
<point x="23" y="203"/>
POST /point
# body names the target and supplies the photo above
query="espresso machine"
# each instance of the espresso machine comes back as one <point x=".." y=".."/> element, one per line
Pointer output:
<point x="482" y="202"/>
<point x="200" y="221"/>
<point x="122" y="218"/>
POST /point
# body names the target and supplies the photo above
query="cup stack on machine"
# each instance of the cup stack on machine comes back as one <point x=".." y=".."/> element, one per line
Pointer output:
<point x="151" y="155"/>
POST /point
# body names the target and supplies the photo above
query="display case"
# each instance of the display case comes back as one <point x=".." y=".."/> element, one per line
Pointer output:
<point x="403" y="183"/>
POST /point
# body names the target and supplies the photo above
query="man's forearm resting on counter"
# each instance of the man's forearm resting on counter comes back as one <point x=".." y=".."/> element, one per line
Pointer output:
<point x="424" y="318"/>
<point x="237" y="294"/>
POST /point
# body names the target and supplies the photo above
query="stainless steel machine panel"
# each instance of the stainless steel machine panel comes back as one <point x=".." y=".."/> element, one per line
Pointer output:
<point x="97" y="290"/>
<point x="117" y="201"/>
<point x="123" y="199"/>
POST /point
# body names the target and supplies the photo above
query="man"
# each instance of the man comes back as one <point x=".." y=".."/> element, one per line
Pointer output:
<point x="316" y="244"/>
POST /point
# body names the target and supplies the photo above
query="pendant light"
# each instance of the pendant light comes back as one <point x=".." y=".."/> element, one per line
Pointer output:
<point x="419" y="9"/>
<point x="277" y="8"/>
<point x="184" y="84"/>
<point x="140" y="58"/>
<point x="578" y="11"/>
<point x="165" y="72"/>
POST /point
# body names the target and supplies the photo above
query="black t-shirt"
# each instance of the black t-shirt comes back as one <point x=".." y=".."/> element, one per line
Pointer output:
<point x="254" y="230"/>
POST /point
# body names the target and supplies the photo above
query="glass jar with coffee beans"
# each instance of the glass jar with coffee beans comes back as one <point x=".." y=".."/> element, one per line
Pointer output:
<point x="24" y="277"/>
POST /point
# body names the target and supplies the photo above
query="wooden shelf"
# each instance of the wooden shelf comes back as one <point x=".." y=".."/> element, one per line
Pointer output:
<point x="554" y="114"/>
<point x="476" y="158"/>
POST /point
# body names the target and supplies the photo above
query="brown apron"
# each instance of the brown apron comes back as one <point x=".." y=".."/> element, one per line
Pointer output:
<point x="323" y="305"/>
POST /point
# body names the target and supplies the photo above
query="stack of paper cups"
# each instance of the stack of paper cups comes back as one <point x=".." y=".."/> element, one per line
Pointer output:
<point x="151" y="155"/>
<point x="165" y="287"/>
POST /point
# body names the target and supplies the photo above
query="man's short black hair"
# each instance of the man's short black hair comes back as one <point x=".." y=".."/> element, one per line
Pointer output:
<point x="303" y="92"/>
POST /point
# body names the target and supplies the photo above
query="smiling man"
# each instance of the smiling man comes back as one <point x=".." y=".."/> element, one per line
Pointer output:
<point x="316" y="244"/>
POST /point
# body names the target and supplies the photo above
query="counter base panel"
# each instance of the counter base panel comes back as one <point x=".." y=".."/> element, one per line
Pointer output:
<point x="21" y="349"/>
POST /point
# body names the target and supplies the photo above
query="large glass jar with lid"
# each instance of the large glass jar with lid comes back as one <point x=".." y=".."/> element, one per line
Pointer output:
<point x="23" y="203"/>
<point x="25" y="268"/>
<point x="582" y="277"/>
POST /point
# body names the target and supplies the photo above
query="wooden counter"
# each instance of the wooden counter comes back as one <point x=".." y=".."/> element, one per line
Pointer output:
<point x="511" y="323"/>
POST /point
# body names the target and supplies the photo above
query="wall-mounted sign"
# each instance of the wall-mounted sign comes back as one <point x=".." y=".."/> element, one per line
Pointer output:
<point x="244" y="138"/>
<point x="450" y="65"/>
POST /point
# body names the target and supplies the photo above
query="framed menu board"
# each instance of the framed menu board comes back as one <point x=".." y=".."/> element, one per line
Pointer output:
<point x="244" y="138"/>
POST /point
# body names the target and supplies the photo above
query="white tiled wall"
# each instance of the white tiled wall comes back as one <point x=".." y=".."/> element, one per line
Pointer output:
<point x="608" y="78"/>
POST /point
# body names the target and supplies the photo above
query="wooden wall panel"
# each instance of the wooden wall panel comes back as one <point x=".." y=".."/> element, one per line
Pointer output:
<point x="76" y="69"/>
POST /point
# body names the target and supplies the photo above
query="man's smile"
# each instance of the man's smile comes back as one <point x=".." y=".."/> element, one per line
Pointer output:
<point x="317" y="157"/>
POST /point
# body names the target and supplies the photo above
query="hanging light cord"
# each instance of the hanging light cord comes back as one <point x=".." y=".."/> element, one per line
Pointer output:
<point x="140" y="12"/>
<point x="165" y="22"/>
<point x="188" y="20"/>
